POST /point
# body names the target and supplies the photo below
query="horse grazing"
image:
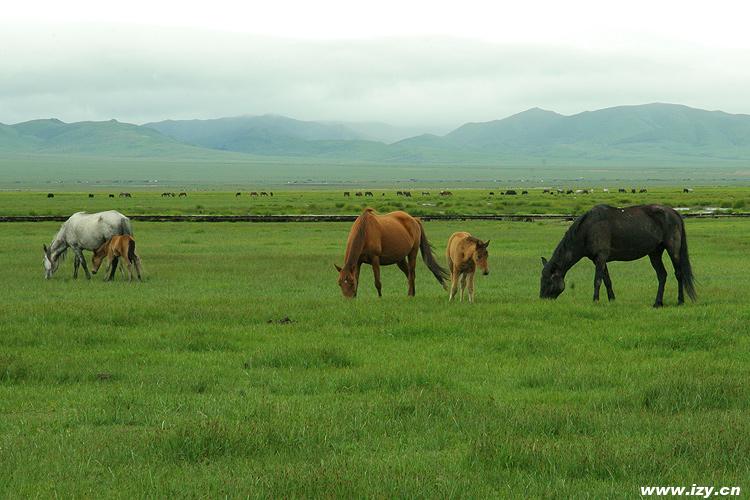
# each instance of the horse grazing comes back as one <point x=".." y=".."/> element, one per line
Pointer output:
<point x="465" y="253"/>
<point x="115" y="248"/>
<point x="382" y="240"/>
<point x="81" y="232"/>
<point x="605" y="234"/>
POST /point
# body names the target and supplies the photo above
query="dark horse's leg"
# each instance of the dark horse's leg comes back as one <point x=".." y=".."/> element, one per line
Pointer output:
<point x="608" y="284"/>
<point x="661" y="275"/>
<point x="376" y="272"/>
<point x="601" y="267"/>
<point x="674" y="256"/>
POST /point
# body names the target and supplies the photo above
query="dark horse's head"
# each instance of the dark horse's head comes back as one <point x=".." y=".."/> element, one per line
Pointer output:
<point x="553" y="281"/>
<point x="347" y="282"/>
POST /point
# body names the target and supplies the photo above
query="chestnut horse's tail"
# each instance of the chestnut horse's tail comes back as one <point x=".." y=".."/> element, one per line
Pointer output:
<point x="429" y="257"/>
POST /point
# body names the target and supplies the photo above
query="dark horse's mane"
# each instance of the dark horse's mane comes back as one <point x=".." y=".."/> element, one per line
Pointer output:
<point x="569" y="238"/>
<point x="354" y="248"/>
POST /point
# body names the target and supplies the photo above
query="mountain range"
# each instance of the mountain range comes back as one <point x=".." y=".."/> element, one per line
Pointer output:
<point x="650" y="133"/>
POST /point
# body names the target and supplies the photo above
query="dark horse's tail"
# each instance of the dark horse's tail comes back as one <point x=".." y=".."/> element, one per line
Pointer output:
<point x="686" y="270"/>
<point x="429" y="258"/>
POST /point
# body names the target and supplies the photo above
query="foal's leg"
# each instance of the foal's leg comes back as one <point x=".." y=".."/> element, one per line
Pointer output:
<point x="471" y="287"/>
<point x="454" y="283"/>
<point x="463" y="285"/>
<point x="661" y="275"/>
<point x="376" y="273"/>
<point x="608" y="284"/>
<point x="112" y="270"/>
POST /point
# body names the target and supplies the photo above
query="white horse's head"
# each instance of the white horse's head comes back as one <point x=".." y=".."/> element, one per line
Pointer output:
<point x="50" y="263"/>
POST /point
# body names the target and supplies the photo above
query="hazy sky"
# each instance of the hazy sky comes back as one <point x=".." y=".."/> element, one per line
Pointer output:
<point x="423" y="63"/>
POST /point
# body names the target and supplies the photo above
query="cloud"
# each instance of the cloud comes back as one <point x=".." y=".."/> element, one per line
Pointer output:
<point x="140" y="74"/>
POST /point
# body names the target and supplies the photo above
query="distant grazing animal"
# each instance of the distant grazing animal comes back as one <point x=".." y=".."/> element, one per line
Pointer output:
<point x="687" y="190"/>
<point x="125" y="195"/>
<point x="358" y="193"/>
<point x="81" y="232"/>
<point x="510" y="192"/>
<point x="524" y="192"/>
<point x="382" y="194"/>
<point x="425" y="193"/>
<point x="560" y="191"/>
<point x="270" y="193"/>
<point x="605" y="190"/>
<point x="632" y="191"/>
<point x="111" y="195"/>
<point x="382" y="240"/>
<point x="446" y="193"/>
<point x="545" y="191"/>
<point x="91" y="195"/>
<point x="399" y="193"/>
<point x="407" y="194"/>
<point x="50" y="195"/>
<point x="569" y="191"/>
<point x="237" y="194"/>
<point x="605" y="234"/>
<point x="465" y="254"/>
<point x="643" y="190"/>
<point x="346" y="193"/>
<point x="114" y="249"/>
<point x="492" y="193"/>
<point x="183" y="195"/>
<point x="263" y="193"/>
<point x="622" y="190"/>
<point x="254" y="193"/>
<point x="368" y="193"/>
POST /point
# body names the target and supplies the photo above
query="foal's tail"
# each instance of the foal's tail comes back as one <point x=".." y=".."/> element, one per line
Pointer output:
<point x="429" y="258"/>
<point x="686" y="270"/>
<point x="133" y="258"/>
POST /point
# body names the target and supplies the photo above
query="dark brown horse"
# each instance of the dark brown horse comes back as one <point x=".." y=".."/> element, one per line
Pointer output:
<point x="605" y="234"/>
<point x="382" y="240"/>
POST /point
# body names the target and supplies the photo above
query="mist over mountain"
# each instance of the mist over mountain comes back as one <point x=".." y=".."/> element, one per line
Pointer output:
<point x="637" y="134"/>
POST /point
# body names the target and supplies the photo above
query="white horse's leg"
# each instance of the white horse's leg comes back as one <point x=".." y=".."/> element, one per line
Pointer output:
<point x="82" y="259"/>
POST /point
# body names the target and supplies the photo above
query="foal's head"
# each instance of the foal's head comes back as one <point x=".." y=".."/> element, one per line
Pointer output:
<point x="99" y="255"/>
<point x="480" y="256"/>
<point x="347" y="282"/>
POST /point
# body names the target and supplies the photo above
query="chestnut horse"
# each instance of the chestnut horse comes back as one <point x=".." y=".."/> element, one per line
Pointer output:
<point x="382" y="240"/>
<point x="114" y="249"/>
<point x="465" y="253"/>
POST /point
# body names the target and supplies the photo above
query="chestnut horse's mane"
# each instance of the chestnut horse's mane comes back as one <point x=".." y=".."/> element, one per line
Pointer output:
<point x="357" y="242"/>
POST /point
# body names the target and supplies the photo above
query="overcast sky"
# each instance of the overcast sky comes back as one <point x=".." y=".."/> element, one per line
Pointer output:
<point x="425" y="63"/>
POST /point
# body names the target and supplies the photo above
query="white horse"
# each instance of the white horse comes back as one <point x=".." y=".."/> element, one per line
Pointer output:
<point x="81" y="232"/>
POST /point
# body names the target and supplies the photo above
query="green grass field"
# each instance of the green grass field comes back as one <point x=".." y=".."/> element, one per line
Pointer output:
<point x="330" y="201"/>
<point x="180" y="386"/>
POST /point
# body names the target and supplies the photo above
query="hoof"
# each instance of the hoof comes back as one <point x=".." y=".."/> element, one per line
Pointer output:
<point x="658" y="304"/>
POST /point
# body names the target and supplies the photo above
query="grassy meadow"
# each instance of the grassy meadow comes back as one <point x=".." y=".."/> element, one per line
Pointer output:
<point x="193" y="383"/>
<point x="329" y="201"/>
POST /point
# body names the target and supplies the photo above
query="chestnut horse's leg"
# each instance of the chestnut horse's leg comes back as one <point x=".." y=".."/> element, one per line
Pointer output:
<point x="113" y="269"/>
<point x="376" y="272"/>
<point x="454" y="282"/>
<point x="463" y="285"/>
<point x="412" y="271"/>
<point x="661" y="275"/>
<point x="608" y="284"/>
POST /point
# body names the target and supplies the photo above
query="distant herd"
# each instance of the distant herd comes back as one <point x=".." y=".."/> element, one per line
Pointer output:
<point x="603" y="234"/>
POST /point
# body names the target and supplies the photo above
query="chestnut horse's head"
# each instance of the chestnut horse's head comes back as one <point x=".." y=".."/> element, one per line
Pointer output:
<point x="347" y="282"/>
<point x="99" y="254"/>
<point x="480" y="257"/>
